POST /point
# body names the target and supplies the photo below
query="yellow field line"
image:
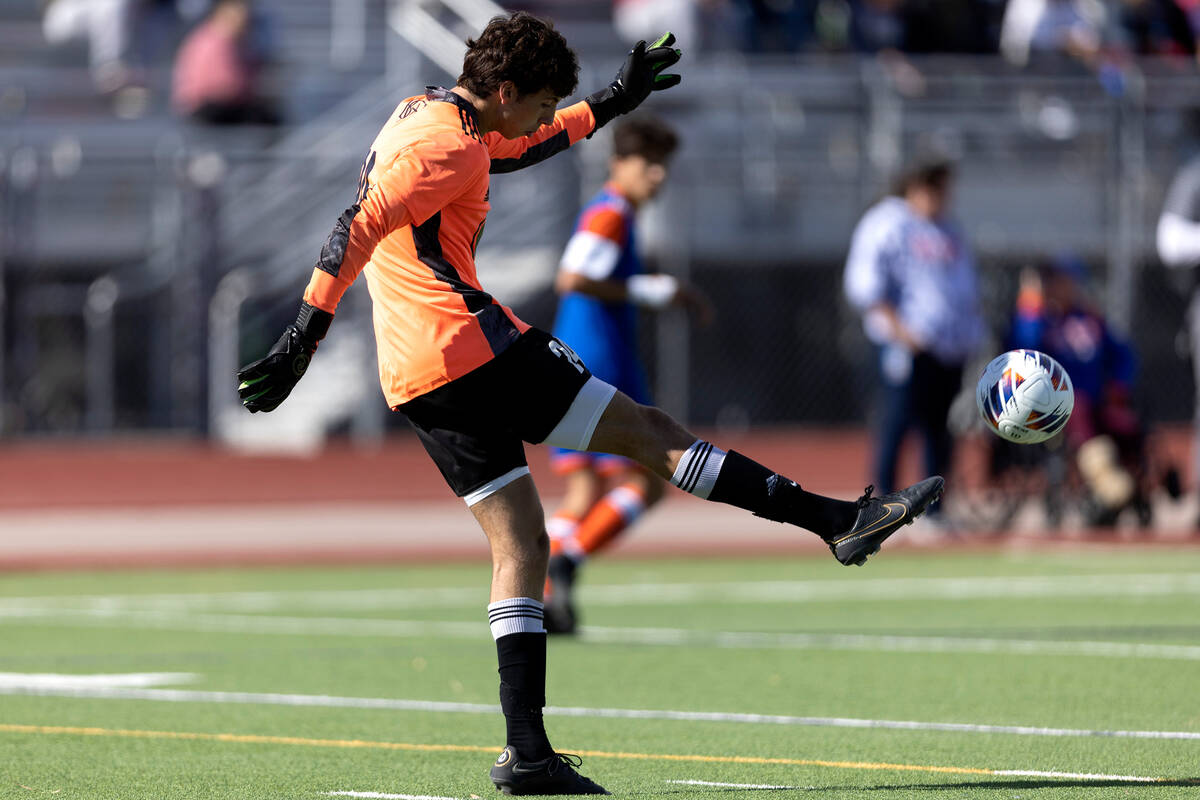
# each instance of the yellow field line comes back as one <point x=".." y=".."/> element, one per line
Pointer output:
<point x="467" y="748"/>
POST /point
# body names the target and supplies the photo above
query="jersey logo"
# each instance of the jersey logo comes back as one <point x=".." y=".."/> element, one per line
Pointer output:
<point x="412" y="107"/>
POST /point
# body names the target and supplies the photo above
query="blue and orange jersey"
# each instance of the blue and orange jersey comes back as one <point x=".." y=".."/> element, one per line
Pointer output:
<point x="604" y="333"/>
<point x="420" y="210"/>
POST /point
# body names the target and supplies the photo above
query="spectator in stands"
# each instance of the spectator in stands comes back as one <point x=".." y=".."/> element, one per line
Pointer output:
<point x="1105" y="434"/>
<point x="877" y="25"/>
<point x="775" y="25"/>
<point x="1157" y="28"/>
<point x="1053" y="30"/>
<point x="636" y="19"/>
<point x="218" y="69"/>
<point x="952" y="26"/>
<point x="911" y="275"/>
<point x="106" y="25"/>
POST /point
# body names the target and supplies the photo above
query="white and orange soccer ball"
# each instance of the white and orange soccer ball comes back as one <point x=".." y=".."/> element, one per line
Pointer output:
<point x="1025" y="396"/>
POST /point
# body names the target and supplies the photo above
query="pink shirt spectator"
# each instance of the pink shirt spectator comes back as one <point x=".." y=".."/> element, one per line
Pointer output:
<point x="212" y="68"/>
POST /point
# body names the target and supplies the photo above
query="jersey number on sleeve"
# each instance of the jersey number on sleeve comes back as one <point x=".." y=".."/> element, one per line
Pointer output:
<point x="563" y="351"/>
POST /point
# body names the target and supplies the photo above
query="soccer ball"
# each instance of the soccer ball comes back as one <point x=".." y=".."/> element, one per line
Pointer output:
<point x="1025" y="396"/>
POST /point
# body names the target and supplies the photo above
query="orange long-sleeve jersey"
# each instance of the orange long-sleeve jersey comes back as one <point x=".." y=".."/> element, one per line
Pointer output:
<point x="423" y="201"/>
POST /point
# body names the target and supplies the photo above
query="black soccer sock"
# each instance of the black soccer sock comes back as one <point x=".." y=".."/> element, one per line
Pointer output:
<point x="521" y="652"/>
<point x="709" y="472"/>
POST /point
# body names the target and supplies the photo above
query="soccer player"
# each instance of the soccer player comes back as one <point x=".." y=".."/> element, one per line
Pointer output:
<point x="475" y="381"/>
<point x="603" y="283"/>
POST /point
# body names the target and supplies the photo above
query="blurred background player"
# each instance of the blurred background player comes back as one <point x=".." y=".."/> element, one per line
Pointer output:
<point x="1178" y="243"/>
<point x="912" y="276"/>
<point x="603" y="284"/>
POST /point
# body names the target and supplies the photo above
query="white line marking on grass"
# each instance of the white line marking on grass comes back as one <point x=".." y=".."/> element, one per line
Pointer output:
<point x="738" y="785"/>
<point x="385" y="796"/>
<point x="396" y="704"/>
<point x="50" y="681"/>
<point x="656" y="637"/>
<point x="816" y="591"/>
<point x="1083" y="776"/>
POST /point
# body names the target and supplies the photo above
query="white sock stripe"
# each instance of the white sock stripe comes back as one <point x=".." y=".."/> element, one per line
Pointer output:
<point x="698" y="459"/>
<point x="515" y="615"/>
<point x="687" y="462"/>
<point x="515" y="604"/>
<point x="684" y="461"/>
<point x="507" y="627"/>
<point x="708" y="474"/>
<point x="693" y="470"/>
<point x="698" y="468"/>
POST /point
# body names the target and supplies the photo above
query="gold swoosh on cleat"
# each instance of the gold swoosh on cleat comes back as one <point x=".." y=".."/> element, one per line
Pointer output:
<point x="878" y="524"/>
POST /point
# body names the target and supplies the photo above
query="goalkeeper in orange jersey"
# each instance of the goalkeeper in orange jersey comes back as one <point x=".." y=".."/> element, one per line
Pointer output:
<point x="603" y="284"/>
<point x="476" y="382"/>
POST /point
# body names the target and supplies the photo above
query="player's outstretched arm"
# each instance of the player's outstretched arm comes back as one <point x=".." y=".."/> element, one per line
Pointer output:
<point x="641" y="74"/>
<point x="266" y="383"/>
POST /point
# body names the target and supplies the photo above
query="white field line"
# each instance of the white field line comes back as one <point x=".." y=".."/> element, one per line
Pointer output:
<point x="22" y="680"/>
<point x="723" y="785"/>
<point x="396" y="704"/>
<point x="817" y="591"/>
<point x="1085" y="776"/>
<point x="658" y="637"/>
<point x="386" y="796"/>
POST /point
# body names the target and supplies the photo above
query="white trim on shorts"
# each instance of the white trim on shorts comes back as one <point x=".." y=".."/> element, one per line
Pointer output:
<point x="574" y="431"/>
<point x="494" y="485"/>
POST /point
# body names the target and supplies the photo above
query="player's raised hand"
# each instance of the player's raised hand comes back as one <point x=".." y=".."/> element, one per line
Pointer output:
<point x="641" y="74"/>
<point x="266" y="383"/>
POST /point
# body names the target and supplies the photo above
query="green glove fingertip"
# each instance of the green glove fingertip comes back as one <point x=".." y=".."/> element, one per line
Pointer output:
<point x="664" y="40"/>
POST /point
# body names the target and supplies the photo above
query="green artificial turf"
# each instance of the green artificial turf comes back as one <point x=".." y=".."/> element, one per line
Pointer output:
<point x="1101" y="642"/>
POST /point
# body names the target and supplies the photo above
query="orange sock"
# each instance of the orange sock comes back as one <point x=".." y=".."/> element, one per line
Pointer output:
<point x="612" y="514"/>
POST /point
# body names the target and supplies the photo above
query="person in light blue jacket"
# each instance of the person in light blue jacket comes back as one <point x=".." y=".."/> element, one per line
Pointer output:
<point x="911" y="275"/>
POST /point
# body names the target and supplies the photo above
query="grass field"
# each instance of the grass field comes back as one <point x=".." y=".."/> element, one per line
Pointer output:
<point x="925" y="674"/>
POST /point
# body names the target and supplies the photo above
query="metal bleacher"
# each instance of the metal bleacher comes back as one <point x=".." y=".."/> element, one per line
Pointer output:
<point x="143" y="235"/>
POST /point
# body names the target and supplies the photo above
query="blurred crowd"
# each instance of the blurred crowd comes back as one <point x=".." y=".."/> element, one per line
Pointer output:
<point x="1022" y="30"/>
<point x="234" y="38"/>
<point x="217" y="50"/>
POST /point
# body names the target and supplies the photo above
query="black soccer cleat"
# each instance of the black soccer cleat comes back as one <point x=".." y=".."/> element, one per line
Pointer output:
<point x="559" y="612"/>
<point x="553" y="775"/>
<point x="880" y="517"/>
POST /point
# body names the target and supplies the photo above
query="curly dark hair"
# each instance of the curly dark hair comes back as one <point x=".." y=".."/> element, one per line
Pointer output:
<point x="523" y="49"/>
<point x="645" y="136"/>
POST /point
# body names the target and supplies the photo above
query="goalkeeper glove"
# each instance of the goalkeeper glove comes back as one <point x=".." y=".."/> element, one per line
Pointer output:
<point x="641" y="74"/>
<point x="266" y="383"/>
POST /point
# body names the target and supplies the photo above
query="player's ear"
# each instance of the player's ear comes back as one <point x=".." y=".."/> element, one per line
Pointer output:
<point x="508" y="92"/>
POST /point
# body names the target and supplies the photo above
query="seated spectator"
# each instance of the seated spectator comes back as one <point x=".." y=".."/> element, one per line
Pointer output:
<point x="1104" y="434"/>
<point x="1157" y="28"/>
<point x="877" y="25"/>
<point x="106" y="26"/>
<point x="1053" y="30"/>
<point x="773" y="25"/>
<point x="217" y="71"/>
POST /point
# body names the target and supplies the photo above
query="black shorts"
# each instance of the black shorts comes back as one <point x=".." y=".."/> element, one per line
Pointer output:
<point x="474" y="426"/>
